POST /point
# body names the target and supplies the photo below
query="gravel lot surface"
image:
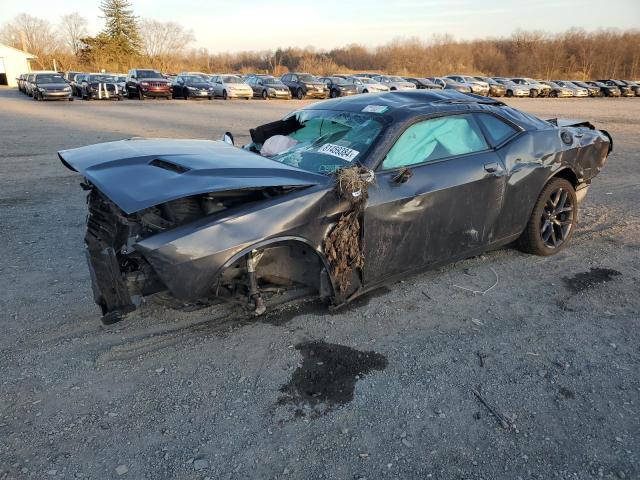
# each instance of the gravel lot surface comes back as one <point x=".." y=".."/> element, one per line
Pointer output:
<point x="553" y="348"/>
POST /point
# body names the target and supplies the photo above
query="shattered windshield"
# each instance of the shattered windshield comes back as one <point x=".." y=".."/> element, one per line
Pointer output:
<point x="328" y="140"/>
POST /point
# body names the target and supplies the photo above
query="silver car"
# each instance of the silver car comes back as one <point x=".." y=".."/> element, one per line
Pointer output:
<point x="513" y="89"/>
<point x="478" y="87"/>
<point x="230" y="86"/>
<point x="536" y="88"/>
<point x="367" y="85"/>
<point x="576" y="90"/>
<point x="394" y="82"/>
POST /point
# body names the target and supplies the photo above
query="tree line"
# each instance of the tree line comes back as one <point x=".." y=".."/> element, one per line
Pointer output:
<point x="128" y="41"/>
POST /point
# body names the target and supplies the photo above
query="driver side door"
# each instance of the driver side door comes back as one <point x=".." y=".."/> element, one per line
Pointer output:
<point x="437" y="196"/>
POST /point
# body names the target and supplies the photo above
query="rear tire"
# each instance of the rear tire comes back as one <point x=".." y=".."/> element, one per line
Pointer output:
<point x="552" y="221"/>
<point x="509" y="93"/>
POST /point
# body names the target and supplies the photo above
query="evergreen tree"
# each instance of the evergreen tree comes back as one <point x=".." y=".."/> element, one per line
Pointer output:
<point x="121" y="25"/>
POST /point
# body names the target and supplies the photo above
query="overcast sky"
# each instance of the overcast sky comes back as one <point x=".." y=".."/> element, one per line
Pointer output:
<point x="263" y="24"/>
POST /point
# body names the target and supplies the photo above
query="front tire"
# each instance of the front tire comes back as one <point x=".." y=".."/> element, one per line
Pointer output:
<point x="225" y="95"/>
<point x="265" y="95"/>
<point x="552" y="221"/>
<point x="533" y="93"/>
<point x="140" y="95"/>
<point x="509" y="93"/>
<point x="299" y="94"/>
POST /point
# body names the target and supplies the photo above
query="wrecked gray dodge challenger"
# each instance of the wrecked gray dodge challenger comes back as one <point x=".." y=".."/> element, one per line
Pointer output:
<point x="334" y="200"/>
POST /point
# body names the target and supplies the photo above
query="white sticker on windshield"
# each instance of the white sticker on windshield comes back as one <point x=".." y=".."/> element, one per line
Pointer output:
<point x="344" y="153"/>
<point x="375" y="108"/>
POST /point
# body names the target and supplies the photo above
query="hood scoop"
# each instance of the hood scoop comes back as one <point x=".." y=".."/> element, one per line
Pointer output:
<point x="170" y="166"/>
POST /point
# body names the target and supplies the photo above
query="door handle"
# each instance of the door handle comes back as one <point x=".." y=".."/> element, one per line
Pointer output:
<point x="491" y="167"/>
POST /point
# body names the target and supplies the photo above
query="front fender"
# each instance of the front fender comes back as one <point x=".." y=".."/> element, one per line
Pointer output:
<point x="189" y="259"/>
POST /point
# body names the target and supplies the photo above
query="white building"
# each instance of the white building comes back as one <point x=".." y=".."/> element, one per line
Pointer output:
<point x="13" y="62"/>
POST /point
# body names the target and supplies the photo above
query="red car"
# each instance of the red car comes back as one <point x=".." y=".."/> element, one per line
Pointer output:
<point x="147" y="83"/>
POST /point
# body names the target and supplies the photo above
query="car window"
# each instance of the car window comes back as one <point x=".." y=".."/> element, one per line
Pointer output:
<point x="327" y="140"/>
<point x="497" y="130"/>
<point x="435" y="139"/>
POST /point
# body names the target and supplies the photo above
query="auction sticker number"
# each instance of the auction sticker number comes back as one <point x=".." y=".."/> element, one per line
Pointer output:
<point x="344" y="153"/>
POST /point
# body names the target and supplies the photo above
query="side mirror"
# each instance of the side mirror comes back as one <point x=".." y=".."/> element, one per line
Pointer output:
<point x="228" y="138"/>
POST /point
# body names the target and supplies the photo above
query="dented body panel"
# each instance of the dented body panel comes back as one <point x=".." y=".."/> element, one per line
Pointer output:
<point x="415" y="217"/>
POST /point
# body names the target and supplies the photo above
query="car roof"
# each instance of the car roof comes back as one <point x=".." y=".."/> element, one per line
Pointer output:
<point x="403" y="105"/>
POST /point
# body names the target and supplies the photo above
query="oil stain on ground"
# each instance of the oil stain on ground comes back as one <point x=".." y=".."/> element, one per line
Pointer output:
<point x="585" y="280"/>
<point x="327" y="376"/>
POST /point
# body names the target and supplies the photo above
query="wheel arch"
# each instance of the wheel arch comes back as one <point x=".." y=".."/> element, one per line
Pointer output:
<point x="568" y="174"/>
<point x="282" y="241"/>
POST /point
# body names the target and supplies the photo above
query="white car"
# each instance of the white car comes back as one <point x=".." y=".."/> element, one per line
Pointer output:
<point x="394" y="83"/>
<point x="367" y="85"/>
<point x="230" y="86"/>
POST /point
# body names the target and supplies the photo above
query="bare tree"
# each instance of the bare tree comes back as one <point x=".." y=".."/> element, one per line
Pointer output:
<point x="34" y="35"/>
<point x="162" y="41"/>
<point x="73" y="28"/>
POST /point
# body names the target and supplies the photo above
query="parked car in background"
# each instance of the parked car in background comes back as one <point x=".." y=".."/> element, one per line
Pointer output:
<point x="423" y="83"/>
<point x="495" y="89"/>
<point x="143" y="83"/>
<point x="577" y="91"/>
<point x="394" y="82"/>
<point x="121" y="80"/>
<point x="339" y="87"/>
<point x="536" y="88"/>
<point x="100" y="86"/>
<point x="21" y="80"/>
<point x="304" y="85"/>
<point x="592" y="89"/>
<point x="69" y="76"/>
<point x="51" y="86"/>
<point x="605" y="90"/>
<point x="513" y="89"/>
<point x="557" y="91"/>
<point x="478" y="87"/>
<point x="29" y="81"/>
<point x="191" y="86"/>
<point x="267" y="86"/>
<point x="635" y="86"/>
<point x="625" y="90"/>
<point x="76" y="83"/>
<point x="230" y="86"/>
<point x="448" y="84"/>
<point x="367" y="85"/>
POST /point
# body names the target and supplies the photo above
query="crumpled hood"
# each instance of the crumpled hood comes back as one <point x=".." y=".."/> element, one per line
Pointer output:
<point x="140" y="173"/>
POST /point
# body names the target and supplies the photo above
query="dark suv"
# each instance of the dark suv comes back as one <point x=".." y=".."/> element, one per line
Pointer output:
<point x="147" y="83"/>
<point x="305" y="85"/>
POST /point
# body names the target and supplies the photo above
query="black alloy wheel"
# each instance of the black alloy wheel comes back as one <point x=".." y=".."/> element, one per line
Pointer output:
<point x="553" y="219"/>
<point x="299" y="94"/>
<point x="334" y="93"/>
